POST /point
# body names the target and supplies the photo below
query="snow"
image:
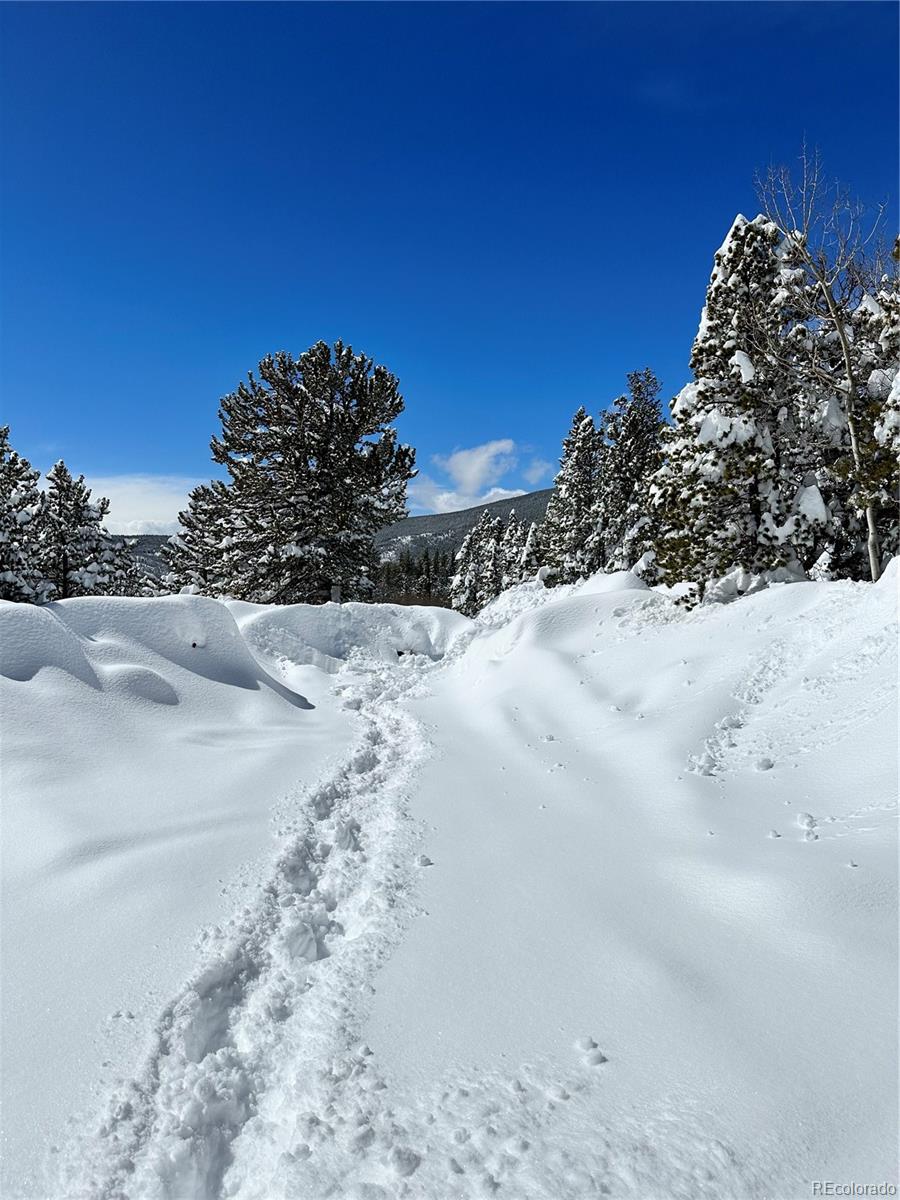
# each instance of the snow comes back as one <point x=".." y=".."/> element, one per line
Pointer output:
<point x="741" y="360"/>
<point x="722" y="429"/>
<point x="592" y="895"/>
<point x="811" y="505"/>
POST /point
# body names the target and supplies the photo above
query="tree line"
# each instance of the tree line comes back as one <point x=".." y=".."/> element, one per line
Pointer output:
<point x="52" y="541"/>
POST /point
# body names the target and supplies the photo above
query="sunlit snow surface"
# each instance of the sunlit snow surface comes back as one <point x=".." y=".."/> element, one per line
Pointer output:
<point x="594" y="896"/>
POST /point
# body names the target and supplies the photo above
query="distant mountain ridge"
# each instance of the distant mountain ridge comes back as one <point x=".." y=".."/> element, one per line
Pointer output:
<point x="446" y="530"/>
<point x="436" y="531"/>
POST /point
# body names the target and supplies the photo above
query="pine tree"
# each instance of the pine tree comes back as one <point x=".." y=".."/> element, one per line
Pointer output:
<point x="76" y="554"/>
<point x="532" y="552"/>
<point x="729" y="493"/>
<point x="315" y="471"/>
<point x="194" y="555"/>
<point x="632" y="448"/>
<point x="826" y="234"/>
<point x="20" y="574"/>
<point x="876" y="348"/>
<point x="490" y="559"/>
<point x="846" y="474"/>
<point x="568" y="523"/>
<point x="511" y="551"/>
<point x="464" y="586"/>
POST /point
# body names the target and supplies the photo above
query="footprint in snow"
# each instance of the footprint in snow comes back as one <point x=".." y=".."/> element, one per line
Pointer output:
<point x="808" y="823"/>
<point x="593" y="1055"/>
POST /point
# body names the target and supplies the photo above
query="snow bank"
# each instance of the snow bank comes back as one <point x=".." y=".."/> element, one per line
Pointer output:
<point x="124" y="645"/>
<point x="327" y="635"/>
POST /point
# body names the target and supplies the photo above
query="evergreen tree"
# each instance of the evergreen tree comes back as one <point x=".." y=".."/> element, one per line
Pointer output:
<point x="490" y="559"/>
<point x="423" y="575"/>
<point x="77" y="556"/>
<point x="315" y="471"/>
<point x="532" y="552"/>
<point x="20" y="574"/>
<point x="826" y="235"/>
<point x="464" y="586"/>
<point x="511" y="550"/>
<point x="730" y="492"/>
<point x="194" y="555"/>
<point x="632" y="449"/>
<point x="568" y="523"/>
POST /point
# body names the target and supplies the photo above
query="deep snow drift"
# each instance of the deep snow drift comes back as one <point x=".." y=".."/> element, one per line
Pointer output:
<point x="594" y="896"/>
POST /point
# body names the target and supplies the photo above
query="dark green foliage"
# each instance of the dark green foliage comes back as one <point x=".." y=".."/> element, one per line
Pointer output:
<point x="77" y="556"/>
<point x="20" y="572"/>
<point x="314" y="471"/>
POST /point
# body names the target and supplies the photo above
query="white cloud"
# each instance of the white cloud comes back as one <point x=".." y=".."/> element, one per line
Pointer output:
<point x="430" y="496"/>
<point x="142" y="503"/>
<point x="474" y="476"/>
<point x="473" y="469"/>
<point x="537" y="470"/>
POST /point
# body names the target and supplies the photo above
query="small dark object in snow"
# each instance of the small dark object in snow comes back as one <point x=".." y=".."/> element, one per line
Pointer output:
<point x="193" y="645"/>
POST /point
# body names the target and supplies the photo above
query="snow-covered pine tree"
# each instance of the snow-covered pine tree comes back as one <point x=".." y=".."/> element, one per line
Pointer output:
<point x="490" y="554"/>
<point x="728" y="493"/>
<point x="568" y="522"/>
<point x="532" y="552"/>
<point x="315" y="471"/>
<point x="846" y="473"/>
<point x="829" y="237"/>
<point x="77" y="556"/>
<point x="20" y="573"/>
<point x="511" y="549"/>
<point x="464" y="586"/>
<point x="194" y="555"/>
<point x="876" y="347"/>
<point x="632" y="447"/>
<point x="887" y="424"/>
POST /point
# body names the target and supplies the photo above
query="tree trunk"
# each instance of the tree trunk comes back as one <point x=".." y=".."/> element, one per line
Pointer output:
<point x="873" y="543"/>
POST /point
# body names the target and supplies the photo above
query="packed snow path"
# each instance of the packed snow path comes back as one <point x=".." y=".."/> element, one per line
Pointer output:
<point x="273" y="1010"/>
<point x="604" y="903"/>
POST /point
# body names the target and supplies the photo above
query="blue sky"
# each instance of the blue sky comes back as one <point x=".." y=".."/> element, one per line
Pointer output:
<point x="509" y="205"/>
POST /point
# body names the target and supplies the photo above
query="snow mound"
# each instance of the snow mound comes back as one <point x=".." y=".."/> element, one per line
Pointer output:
<point x="140" y="647"/>
<point x="616" y="581"/>
<point x="326" y="635"/>
<point x="534" y="594"/>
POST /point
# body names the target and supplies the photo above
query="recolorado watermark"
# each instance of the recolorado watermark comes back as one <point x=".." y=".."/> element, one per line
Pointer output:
<point x="827" y="1187"/>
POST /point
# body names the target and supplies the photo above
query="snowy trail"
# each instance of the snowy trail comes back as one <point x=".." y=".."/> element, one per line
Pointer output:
<point x="654" y="956"/>
<point x="277" y="994"/>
